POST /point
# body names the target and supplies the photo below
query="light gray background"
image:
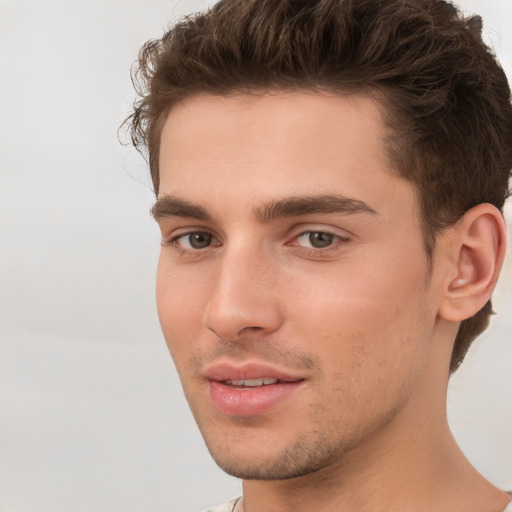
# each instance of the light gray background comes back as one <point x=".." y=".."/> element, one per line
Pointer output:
<point x="92" y="415"/>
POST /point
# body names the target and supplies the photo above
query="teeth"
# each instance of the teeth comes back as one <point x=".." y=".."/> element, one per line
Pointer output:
<point x="252" y="383"/>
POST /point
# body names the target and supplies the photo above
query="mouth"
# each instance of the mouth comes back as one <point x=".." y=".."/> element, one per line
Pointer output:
<point x="250" y="389"/>
<point x="253" y="383"/>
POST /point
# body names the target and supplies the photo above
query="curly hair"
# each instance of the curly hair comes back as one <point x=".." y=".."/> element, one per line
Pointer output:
<point x="446" y="98"/>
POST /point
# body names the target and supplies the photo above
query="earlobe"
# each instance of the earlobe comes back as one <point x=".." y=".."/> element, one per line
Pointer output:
<point x="478" y="253"/>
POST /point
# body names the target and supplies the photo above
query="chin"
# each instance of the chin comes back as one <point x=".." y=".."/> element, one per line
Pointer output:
<point x="298" y="459"/>
<point x="292" y="445"/>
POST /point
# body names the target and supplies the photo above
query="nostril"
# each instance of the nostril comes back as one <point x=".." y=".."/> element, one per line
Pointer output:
<point x="251" y="329"/>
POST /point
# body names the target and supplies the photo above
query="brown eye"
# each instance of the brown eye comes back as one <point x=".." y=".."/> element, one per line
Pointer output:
<point x="319" y="243"/>
<point x="199" y="240"/>
<point x="319" y="239"/>
<point x="193" y="243"/>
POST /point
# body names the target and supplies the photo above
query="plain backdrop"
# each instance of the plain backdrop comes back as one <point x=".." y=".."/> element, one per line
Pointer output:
<point x="92" y="414"/>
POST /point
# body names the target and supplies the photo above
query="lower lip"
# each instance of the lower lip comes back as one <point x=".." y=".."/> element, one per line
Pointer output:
<point x="250" y="401"/>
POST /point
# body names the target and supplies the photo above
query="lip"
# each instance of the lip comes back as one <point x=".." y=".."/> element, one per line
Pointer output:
<point x="250" y="370"/>
<point x="249" y="401"/>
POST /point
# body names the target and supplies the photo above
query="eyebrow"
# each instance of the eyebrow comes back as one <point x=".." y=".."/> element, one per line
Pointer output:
<point x="172" y="206"/>
<point x="303" y="205"/>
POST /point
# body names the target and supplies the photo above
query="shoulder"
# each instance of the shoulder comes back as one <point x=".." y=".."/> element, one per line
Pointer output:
<point x="229" y="506"/>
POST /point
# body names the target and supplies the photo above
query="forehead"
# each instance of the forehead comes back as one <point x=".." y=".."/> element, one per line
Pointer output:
<point x="264" y="147"/>
<point x="273" y="121"/>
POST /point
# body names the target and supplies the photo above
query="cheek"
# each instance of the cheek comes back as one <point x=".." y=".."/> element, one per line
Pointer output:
<point x="374" y="315"/>
<point x="372" y="345"/>
<point x="179" y="301"/>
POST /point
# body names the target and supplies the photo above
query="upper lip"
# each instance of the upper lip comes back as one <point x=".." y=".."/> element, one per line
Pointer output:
<point x="225" y="371"/>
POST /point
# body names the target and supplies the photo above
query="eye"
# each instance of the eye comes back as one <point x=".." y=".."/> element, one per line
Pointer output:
<point x="198" y="240"/>
<point x="194" y="241"/>
<point x="317" y="239"/>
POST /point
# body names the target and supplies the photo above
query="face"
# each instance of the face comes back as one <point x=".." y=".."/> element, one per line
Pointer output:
<point x="293" y="287"/>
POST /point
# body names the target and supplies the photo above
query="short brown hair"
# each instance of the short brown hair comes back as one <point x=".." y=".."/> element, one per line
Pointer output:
<point x="447" y="99"/>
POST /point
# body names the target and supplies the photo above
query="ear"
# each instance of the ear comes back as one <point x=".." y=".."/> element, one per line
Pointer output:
<point x="477" y="253"/>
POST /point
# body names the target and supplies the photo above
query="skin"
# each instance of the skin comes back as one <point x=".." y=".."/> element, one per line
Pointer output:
<point x="343" y="300"/>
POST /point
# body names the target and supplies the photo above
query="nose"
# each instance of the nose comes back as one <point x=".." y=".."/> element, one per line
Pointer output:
<point x="244" y="296"/>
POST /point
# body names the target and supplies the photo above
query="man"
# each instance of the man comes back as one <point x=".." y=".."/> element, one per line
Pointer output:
<point x="330" y="179"/>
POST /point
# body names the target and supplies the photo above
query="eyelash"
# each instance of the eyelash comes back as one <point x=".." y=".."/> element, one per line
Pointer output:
<point x="318" y="251"/>
<point x="174" y="242"/>
<point x="338" y="240"/>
